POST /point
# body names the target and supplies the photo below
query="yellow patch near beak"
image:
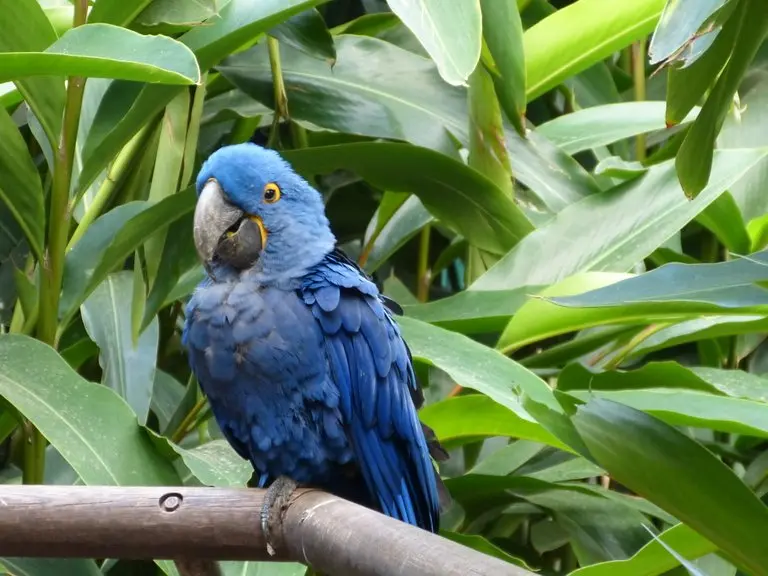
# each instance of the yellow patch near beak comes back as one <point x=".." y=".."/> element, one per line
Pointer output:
<point x="262" y="230"/>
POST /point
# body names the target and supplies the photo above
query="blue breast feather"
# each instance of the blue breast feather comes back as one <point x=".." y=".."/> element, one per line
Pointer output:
<point x="310" y="382"/>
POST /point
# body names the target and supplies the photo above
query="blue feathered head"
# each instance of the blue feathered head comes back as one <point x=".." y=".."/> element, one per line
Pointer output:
<point x="255" y="213"/>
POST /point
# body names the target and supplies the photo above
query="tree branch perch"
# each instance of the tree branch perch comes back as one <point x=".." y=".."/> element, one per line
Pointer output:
<point x="330" y="534"/>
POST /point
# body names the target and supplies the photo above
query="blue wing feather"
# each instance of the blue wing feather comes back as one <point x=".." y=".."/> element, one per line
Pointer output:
<point x="370" y="365"/>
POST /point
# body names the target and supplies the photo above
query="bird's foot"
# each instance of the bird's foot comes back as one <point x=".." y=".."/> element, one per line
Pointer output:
<point x="275" y="501"/>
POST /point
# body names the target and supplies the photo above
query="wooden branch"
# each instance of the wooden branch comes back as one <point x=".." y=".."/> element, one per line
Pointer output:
<point x="330" y="534"/>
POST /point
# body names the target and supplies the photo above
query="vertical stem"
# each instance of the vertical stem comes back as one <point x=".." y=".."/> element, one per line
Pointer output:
<point x="423" y="274"/>
<point x="638" y="75"/>
<point x="58" y="229"/>
<point x="280" y="109"/>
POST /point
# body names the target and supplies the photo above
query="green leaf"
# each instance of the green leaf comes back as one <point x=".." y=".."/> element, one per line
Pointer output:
<point x="694" y="159"/>
<point x="678" y="474"/>
<point x="182" y="13"/>
<point x="117" y="12"/>
<point x="477" y="542"/>
<point x="401" y="226"/>
<point x="24" y="27"/>
<point x="354" y="96"/>
<point x="128" y="366"/>
<point x="726" y="285"/>
<point x="262" y="569"/>
<point x="119" y="246"/>
<point x="215" y="463"/>
<point x="478" y="367"/>
<point x="450" y="33"/>
<point x="473" y="311"/>
<point x="643" y="213"/>
<point x="580" y="35"/>
<point x="653" y="559"/>
<point x="45" y="566"/>
<point x="307" y="32"/>
<point x="602" y="125"/>
<point x="132" y="106"/>
<point x="459" y="196"/>
<point x="20" y="187"/>
<point x="539" y="318"/>
<point x="464" y="419"/>
<point x="92" y="427"/>
<point x="106" y="51"/>
<point x="238" y="22"/>
<point x="723" y="218"/>
<point x="167" y="394"/>
<point x="679" y="24"/>
<point x="81" y="260"/>
<point x="503" y="33"/>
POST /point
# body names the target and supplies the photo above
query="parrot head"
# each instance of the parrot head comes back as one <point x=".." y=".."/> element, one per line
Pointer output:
<point x="254" y="213"/>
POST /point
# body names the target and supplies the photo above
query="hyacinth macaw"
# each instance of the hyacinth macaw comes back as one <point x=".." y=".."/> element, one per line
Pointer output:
<point x="296" y="350"/>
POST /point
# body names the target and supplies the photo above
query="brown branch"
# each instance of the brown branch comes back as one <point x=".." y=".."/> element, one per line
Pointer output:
<point x="191" y="523"/>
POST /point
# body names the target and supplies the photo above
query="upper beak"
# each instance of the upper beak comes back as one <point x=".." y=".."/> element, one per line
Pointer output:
<point x="224" y="232"/>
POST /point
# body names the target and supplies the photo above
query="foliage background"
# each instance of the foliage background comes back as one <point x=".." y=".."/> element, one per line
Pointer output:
<point x="566" y="197"/>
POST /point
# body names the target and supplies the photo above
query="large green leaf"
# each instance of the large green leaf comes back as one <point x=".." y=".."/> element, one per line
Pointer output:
<point x="132" y="106"/>
<point x="459" y="196"/>
<point x="91" y="426"/>
<point x="363" y="94"/>
<point x="729" y="284"/>
<point x="466" y="418"/>
<point x="107" y="248"/>
<point x="680" y="22"/>
<point x="602" y="125"/>
<point x="653" y="559"/>
<point x="128" y="366"/>
<point x="116" y="11"/>
<point x="449" y="31"/>
<point x="20" y="187"/>
<point x="106" y="51"/>
<point x="473" y="311"/>
<point x="581" y="34"/>
<point x="673" y="471"/>
<point x="177" y="12"/>
<point x="643" y="214"/>
<point x="24" y="27"/>
<point x="307" y="32"/>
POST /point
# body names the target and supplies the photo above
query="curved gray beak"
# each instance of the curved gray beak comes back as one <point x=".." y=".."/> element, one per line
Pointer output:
<point x="223" y="231"/>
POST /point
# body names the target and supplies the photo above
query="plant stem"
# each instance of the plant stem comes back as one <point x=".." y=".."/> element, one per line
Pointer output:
<point x="108" y="187"/>
<point x="423" y="274"/>
<point x="183" y="428"/>
<point x="636" y="340"/>
<point x="52" y="267"/>
<point x="280" y="108"/>
<point x="638" y="74"/>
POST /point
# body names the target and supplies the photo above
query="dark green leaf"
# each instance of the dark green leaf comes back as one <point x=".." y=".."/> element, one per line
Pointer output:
<point x="678" y="474"/>
<point x="117" y="12"/>
<point x="45" y="566"/>
<point x="167" y="394"/>
<point x="20" y="187"/>
<point x="459" y="196"/>
<point x="184" y="13"/>
<point x="307" y="32"/>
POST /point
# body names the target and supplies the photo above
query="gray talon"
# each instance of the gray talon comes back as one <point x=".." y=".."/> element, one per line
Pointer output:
<point x="275" y="501"/>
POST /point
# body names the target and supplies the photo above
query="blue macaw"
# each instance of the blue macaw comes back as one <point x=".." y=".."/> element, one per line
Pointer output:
<point x="296" y="350"/>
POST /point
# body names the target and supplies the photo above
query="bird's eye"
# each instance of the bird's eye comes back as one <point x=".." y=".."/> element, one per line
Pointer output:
<point x="271" y="193"/>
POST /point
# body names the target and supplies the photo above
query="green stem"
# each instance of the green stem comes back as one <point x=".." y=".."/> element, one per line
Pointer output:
<point x="636" y="340"/>
<point x="52" y="267"/>
<point x="184" y="427"/>
<point x="638" y="74"/>
<point x="423" y="275"/>
<point x="108" y="187"/>
<point x="280" y="108"/>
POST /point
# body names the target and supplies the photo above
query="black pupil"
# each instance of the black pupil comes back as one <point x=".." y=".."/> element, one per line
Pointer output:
<point x="269" y="194"/>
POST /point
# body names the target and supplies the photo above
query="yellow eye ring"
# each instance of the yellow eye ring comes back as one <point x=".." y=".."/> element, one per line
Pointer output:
<point x="271" y="193"/>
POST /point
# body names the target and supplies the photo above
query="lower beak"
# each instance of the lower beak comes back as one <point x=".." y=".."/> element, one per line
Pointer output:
<point x="242" y="247"/>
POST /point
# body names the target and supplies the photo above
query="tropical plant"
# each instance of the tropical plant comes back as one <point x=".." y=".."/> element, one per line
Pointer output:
<point x="573" y="219"/>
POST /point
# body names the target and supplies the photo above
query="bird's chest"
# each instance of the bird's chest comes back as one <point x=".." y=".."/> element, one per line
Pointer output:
<point x="259" y="357"/>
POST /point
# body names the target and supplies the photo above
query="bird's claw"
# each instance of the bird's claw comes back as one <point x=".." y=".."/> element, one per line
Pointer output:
<point x="275" y="501"/>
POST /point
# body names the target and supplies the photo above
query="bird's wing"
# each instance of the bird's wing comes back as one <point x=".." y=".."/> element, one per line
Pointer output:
<point x="370" y="364"/>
